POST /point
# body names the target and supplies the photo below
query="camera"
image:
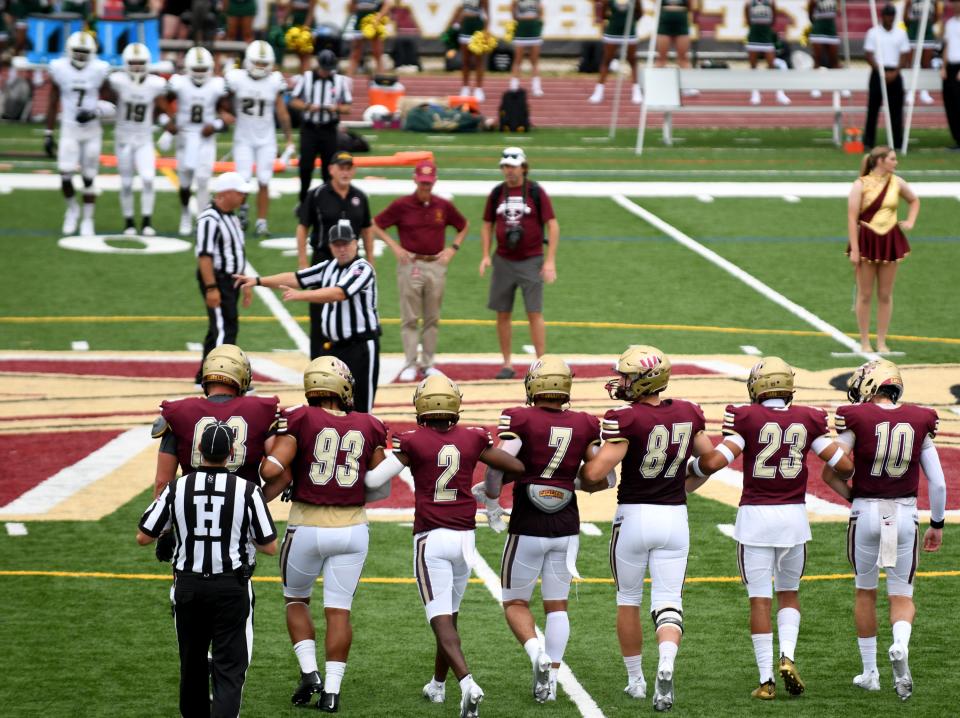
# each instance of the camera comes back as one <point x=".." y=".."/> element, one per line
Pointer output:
<point x="513" y="235"/>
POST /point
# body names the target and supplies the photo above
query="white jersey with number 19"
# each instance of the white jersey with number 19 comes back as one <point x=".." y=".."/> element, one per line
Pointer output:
<point x="135" y="102"/>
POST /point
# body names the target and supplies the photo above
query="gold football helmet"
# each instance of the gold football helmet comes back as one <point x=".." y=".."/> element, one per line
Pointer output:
<point x="770" y="378"/>
<point x="328" y="376"/>
<point x="437" y="397"/>
<point x="548" y="377"/>
<point x="643" y="370"/>
<point x="227" y="364"/>
<point x="870" y="377"/>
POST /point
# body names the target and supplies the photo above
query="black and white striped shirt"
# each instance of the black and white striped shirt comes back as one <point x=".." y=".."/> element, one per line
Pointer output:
<point x="220" y="236"/>
<point x="215" y="516"/>
<point x="356" y="316"/>
<point x="325" y="92"/>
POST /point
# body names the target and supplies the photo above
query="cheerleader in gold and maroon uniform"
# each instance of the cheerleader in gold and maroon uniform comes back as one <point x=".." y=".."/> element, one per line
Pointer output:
<point x="876" y="239"/>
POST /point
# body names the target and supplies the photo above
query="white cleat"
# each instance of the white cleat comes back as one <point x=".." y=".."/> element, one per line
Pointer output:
<point x="71" y="218"/>
<point x="408" y="374"/>
<point x="479" y="95"/>
<point x="597" y="97"/>
<point x="86" y="228"/>
<point x="186" y="225"/>
<point x="536" y="87"/>
<point x="925" y="97"/>
<point x="148" y="231"/>
<point x="868" y="681"/>
<point x="636" y="688"/>
<point x="636" y="96"/>
<point x="470" y="703"/>
<point x="755" y="97"/>
<point x="816" y="94"/>
<point x="902" y="680"/>
<point x="663" y="691"/>
<point x="435" y="694"/>
<point x="130" y="232"/>
<point x="553" y="690"/>
<point x="541" y="678"/>
<point x="782" y="97"/>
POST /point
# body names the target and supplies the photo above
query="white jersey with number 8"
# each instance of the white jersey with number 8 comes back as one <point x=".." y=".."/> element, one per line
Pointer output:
<point x="196" y="104"/>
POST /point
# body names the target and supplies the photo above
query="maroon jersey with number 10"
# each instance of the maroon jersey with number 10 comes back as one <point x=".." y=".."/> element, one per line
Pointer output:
<point x="442" y="464"/>
<point x="776" y="441"/>
<point x="333" y="453"/>
<point x="250" y="417"/>
<point x="886" y="452"/>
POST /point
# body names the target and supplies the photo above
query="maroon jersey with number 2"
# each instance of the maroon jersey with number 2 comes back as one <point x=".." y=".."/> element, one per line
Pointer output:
<point x="442" y="464"/>
<point x="250" y="417"/>
<point x="333" y="453"/>
<point x="776" y="441"/>
<point x="886" y="452"/>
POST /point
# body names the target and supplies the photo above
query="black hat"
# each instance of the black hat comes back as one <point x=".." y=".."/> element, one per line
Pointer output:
<point x="341" y="158"/>
<point x="889" y="9"/>
<point x="341" y="232"/>
<point x="216" y="442"/>
<point x="327" y="60"/>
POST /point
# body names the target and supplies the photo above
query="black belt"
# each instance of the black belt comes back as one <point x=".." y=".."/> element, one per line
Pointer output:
<point x="240" y="574"/>
<point x="355" y="339"/>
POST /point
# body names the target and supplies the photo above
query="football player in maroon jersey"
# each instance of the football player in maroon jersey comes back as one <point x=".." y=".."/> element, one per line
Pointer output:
<point x="772" y="530"/>
<point x="551" y="441"/>
<point x="329" y="452"/>
<point x="442" y="456"/>
<point x="651" y="438"/>
<point x="891" y="442"/>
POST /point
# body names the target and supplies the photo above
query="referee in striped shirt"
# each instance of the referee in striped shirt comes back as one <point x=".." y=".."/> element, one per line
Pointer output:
<point x="220" y="255"/>
<point x="219" y="521"/>
<point x="346" y="286"/>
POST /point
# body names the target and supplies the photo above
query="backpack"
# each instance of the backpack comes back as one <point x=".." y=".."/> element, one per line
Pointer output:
<point x="533" y="192"/>
<point x="18" y="100"/>
<point x="514" y="111"/>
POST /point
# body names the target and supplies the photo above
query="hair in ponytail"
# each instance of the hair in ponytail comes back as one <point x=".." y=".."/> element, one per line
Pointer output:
<point x="870" y="160"/>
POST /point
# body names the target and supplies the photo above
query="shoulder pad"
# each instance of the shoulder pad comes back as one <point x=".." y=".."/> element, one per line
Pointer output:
<point x="291" y="409"/>
<point x="159" y="428"/>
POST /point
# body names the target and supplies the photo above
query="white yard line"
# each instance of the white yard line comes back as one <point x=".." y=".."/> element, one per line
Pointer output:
<point x="590" y="529"/>
<point x="745" y="277"/>
<point x="726" y="529"/>
<point x="585" y="704"/>
<point x="751" y="350"/>
<point x="15" y="528"/>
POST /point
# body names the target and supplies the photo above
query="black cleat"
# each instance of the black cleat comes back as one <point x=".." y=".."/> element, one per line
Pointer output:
<point x="310" y="684"/>
<point x="329" y="703"/>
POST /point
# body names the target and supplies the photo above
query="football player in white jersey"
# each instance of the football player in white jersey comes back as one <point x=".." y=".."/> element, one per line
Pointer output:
<point x="198" y="94"/>
<point x="77" y="79"/>
<point x="137" y="93"/>
<point x="257" y="93"/>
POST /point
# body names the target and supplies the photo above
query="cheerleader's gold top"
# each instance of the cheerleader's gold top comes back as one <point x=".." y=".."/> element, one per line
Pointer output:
<point x="886" y="217"/>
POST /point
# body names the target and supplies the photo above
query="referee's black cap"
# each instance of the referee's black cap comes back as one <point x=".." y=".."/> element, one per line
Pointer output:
<point x="341" y="232"/>
<point x="216" y="442"/>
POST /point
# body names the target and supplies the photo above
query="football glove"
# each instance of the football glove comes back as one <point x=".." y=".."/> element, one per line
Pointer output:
<point x="492" y="508"/>
<point x="287" y="494"/>
<point x="165" y="547"/>
<point x="49" y="144"/>
<point x="165" y="142"/>
<point x="84" y="115"/>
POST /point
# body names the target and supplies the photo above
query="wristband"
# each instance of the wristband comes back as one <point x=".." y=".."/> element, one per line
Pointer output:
<point x="455" y="247"/>
<point x="209" y="287"/>
<point x="835" y="459"/>
<point x="726" y="453"/>
<point x="936" y="524"/>
<point x="273" y="460"/>
<point x="694" y="466"/>
<point x="259" y="283"/>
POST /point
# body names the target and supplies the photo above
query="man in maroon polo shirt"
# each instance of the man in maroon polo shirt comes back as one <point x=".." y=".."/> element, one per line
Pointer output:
<point x="421" y="219"/>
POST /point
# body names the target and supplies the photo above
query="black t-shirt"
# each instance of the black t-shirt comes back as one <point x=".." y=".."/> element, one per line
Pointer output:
<point x="322" y="208"/>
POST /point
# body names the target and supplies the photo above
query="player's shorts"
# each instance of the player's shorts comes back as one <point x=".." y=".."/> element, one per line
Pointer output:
<point x="246" y="156"/>
<point x="527" y="558"/>
<point x="654" y="536"/>
<point x="337" y="553"/>
<point x="865" y="534"/>
<point x="79" y="150"/>
<point x="136" y="159"/>
<point x="508" y="276"/>
<point x="442" y="559"/>
<point x="759" y="564"/>
<point x="196" y="154"/>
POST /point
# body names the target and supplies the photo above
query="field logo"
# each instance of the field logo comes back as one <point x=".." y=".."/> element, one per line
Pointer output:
<point x="101" y="244"/>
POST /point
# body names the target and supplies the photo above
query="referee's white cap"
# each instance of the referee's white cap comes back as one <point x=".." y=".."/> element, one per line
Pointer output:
<point x="232" y="181"/>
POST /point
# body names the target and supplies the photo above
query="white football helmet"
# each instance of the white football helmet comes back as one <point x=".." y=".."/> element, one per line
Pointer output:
<point x="136" y="57"/>
<point x="259" y="59"/>
<point x="199" y="64"/>
<point x="81" y="47"/>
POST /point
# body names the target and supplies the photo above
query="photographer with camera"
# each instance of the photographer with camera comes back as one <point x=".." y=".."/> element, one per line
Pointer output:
<point x="521" y="211"/>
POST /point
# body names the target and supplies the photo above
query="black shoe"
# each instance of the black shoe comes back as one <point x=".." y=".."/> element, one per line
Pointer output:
<point x="505" y="373"/>
<point x="329" y="703"/>
<point x="310" y="684"/>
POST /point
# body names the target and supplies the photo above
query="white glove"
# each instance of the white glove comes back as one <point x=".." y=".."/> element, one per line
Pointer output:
<point x="165" y="142"/>
<point x="492" y="507"/>
<point x="287" y="154"/>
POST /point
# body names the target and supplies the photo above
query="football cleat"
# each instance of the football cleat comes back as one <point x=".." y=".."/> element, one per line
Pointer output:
<point x="435" y="694"/>
<point x="541" y="678"/>
<point x="663" y="691"/>
<point x="86" y="227"/>
<point x="636" y="687"/>
<point x="310" y="684"/>
<point x="902" y="680"/>
<point x="479" y="95"/>
<point x="766" y="691"/>
<point x="71" y="218"/>
<point x="782" y="98"/>
<point x="186" y="225"/>
<point x="148" y="231"/>
<point x="328" y="376"/>
<point x="261" y="229"/>
<point x="791" y="677"/>
<point x="868" y="680"/>
<point x="553" y="690"/>
<point x="597" y="97"/>
<point x="329" y="703"/>
<point x="130" y="230"/>
<point x="470" y="702"/>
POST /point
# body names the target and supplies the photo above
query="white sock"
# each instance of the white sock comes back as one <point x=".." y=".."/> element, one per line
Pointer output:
<point x="203" y="198"/>
<point x="668" y="653"/>
<point x="72" y="203"/>
<point x="88" y="210"/>
<point x="335" y="670"/>
<point x="147" y="199"/>
<point x="126" y="199"/>
<point x="532" y="647"/>
<point x="868" y="653"/>
<point x="466" y="682"/>
<point x="435" y="684"/>
<point x="763" y="650"/>
<point x="901" y="633"/>
<point x="634" y="665"/>
<point x="557" y="633"/>
<point x="788" y="628"/>
<point x="306" y="655"/>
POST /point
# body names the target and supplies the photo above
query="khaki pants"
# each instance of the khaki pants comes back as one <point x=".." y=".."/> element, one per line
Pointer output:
<point x="420" y="286"/>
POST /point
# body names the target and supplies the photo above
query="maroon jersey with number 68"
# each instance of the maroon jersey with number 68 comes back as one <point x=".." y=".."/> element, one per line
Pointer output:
<point x="250" y="417"/>
<point x="554" y="442"/>
<point x="333" y="453"/>
<point x="661" y="441"/>
<point x="888" y="442"/>
<point x="442" y="464"/>
<point x="776" y="441"/>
